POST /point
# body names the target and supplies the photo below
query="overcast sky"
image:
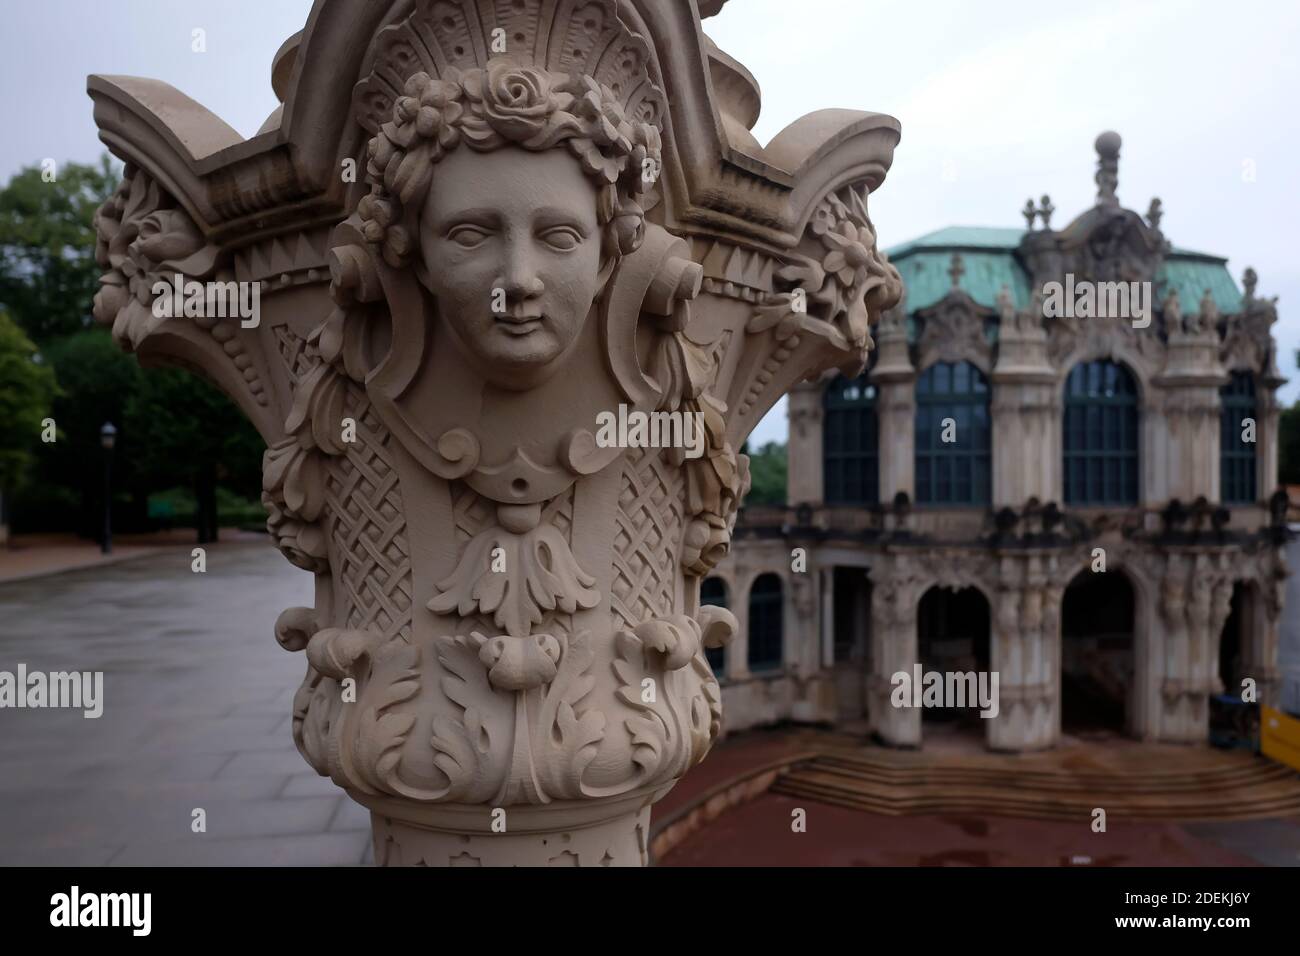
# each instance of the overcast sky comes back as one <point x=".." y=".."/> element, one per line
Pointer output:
<point x="999" y="100"/>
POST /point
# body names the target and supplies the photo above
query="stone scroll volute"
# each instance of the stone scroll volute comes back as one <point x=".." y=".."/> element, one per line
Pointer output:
<point x="557" y="212"/>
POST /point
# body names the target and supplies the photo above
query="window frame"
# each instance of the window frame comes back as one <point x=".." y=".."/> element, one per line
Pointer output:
<point x="766" y="607"/>
<point x="851" y="443"/>
<point x="1109" y="423"/>
<point x="941" y="469"/>
<point x="1238" y="460"/>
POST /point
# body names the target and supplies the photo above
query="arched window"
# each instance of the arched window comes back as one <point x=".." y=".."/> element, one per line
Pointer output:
<point x="1101" y="435"/>
<point x="766" y="650"/>
<point x="850" y="443"/>
<point x="714" y="591"/>
<point x="953" y="437"/>
<point x="1237" y="457"/>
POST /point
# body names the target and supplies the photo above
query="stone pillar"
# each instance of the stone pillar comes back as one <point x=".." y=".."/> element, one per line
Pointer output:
<point x="827" y="631"/>
<point x="805" y="482"/>
<point x="1024" y="413"/>
<point x="1195" y="596"/>
<point x="894" y="648"/>
<point x="1025" y="626"/>
<point x="1265" y="638"/>
<point x="502" y="391"/>
<point x="1190" y="383"/>
<point x="738" y="649"/>
<point x="1269" y="410"/>
<point x="895" y="377"/>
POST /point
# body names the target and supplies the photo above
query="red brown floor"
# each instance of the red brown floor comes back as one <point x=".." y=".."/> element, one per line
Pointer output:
<point x="759" y="833"/>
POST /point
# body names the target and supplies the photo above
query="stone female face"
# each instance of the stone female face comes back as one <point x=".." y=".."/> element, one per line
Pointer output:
<point x="511" y="240"/>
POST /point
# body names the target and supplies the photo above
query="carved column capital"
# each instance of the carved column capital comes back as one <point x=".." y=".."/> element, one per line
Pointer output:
<point x="503" y="388"/>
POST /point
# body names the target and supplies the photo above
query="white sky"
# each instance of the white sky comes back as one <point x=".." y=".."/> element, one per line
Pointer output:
<point x="1005" y="96"/>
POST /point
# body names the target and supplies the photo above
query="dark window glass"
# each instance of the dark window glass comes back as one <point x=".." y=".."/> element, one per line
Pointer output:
<point x="1236" y="456"/>
<point x="765" y="625"/>
<point x="850" y="448"/>
<point x="1101" y="435"/>
<point x="956" y="472"/>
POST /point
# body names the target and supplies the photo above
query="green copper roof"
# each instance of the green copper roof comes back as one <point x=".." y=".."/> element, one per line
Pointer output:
<point x="926" y="279"/>
<point x="1191" y="275"/>
<point x="987" y="255"/>
<point x="955" y="238"/>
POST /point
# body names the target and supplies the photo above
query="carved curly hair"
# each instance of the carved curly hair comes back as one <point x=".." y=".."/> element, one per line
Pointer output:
<point x="501" y="105"/>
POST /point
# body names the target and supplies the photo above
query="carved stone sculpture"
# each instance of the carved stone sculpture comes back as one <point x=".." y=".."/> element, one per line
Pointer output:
<point x="550" y="222"/>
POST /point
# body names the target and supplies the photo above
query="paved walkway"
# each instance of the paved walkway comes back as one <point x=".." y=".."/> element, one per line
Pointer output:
<point x="35" y="555"/>
<point x="196" y="715"/>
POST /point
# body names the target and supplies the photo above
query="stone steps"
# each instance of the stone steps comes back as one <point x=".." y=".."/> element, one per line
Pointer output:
<point x="1227" y="788"/>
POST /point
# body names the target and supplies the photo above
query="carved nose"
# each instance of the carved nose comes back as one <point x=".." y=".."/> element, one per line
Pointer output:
<point x="521" y="280"/>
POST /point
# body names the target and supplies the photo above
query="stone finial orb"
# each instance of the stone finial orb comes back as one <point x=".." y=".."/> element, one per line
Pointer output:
<point x="1108" y="144"/>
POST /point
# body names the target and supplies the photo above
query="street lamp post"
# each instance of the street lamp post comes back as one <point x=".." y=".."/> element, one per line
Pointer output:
<point x="107" y="438"/>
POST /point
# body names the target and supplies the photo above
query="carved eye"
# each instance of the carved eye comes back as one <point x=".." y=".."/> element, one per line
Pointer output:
<point x="563" y="238"/>
<point x="468" y="237"/>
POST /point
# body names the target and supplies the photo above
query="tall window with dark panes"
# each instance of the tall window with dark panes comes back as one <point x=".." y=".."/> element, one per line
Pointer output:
<point x="1101" y="435"/>
<point x="1236" y="454"/>
<point x="714" y="591"/>
<point x="851" y="443"/>
<point x="954" y="438"/>
<point x="766" y="638"/>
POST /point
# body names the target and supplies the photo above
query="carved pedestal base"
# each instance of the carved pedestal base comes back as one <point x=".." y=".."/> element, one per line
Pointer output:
<point x="558" y="834"/>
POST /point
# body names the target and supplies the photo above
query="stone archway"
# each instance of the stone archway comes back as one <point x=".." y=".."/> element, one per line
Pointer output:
<point x="1235" y="637"/>
<point x="851" y="589"/>
<point x="953" y="629"/>
<point x="1098" y="659"/>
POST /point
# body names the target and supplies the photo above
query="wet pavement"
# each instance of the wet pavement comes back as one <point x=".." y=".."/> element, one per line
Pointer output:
<point x="763" y="833"/>
<point x="196" y="716"/>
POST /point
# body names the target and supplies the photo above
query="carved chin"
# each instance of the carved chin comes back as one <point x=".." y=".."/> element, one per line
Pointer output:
<point x="513" y="360"/>
<point x="524" y="350"/>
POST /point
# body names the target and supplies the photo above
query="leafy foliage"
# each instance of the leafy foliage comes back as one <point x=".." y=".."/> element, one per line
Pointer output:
<point x="27" y="390"/>
<point x="172" y="429"/>
<point x="767" y="473"/>
<point x="48" y="274"/>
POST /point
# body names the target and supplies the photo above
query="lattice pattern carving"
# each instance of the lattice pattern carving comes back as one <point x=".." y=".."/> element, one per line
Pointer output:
<point x="650" y="517"/>
<point x="294" y="353"/>
<point x="367" y="528"/>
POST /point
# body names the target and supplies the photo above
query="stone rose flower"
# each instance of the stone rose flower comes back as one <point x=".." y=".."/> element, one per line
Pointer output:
<point x="515" y="102"/>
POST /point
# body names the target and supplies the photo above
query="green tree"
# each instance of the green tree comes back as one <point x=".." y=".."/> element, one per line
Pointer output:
<point x="27" y="390"/>
<point x="96" y="379"/>
<point x="186" y="432"/>
<point x="48" y="274"/>
<point x="767" y="474"/>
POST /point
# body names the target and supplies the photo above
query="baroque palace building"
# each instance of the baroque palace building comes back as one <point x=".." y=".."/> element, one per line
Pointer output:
<point x="956" y="504"/>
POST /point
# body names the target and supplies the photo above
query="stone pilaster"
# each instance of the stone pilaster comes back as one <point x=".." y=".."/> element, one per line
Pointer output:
<point x="1025" y="414"/>
<point x="1195" y="596"/>
<point x="1188" y="437"/>
<point x="894" y="648"/>
<point x="805" y="483"/>
<point x="895" y="377"/>
<point x="1024" y="639"/>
